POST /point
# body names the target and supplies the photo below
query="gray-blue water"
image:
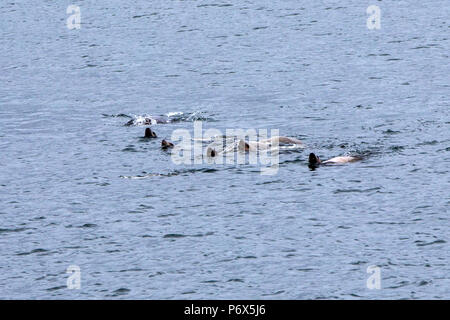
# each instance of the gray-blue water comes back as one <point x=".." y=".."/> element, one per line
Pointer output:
<point x="311" y="69"/>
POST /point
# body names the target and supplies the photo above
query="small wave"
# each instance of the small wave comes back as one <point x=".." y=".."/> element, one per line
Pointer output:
<point x="356" y="190"/>
<point x="428" y="143"/>
<point x="174" y="235"/>
<point x="56" y="288"/>
<point x="169" y="174"/>
<point x="12" y="230"/>
<point x="120" y="115"/>
<point x="88" y="225"/>
<point x="39" y="250"/>
<point x="178" y="235"/>
<point x="390" y="131"/>
<point x="422" y="243"/>
<point x="121" y="291"/>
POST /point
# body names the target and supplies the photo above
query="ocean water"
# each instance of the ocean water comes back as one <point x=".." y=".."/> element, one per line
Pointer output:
<point x="79" y="187"/>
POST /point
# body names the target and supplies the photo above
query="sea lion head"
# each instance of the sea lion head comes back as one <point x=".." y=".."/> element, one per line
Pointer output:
<point x="313" y="160"/>
<point x="166" y="144"/>
<point x="149" y="133"/>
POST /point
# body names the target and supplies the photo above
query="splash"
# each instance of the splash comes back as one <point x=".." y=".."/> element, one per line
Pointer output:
<point x="170" y="117"/>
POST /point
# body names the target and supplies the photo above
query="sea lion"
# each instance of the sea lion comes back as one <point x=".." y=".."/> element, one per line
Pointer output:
<point x="210" y="152"/>
<point x="264" y="144"/>
<point x="149" y="133"/>
<point x="315" y="160"/>
<point x="166" y="144"/>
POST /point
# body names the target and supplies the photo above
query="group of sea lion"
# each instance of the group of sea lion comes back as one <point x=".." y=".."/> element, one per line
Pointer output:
<point x="149" y="134"/>
<point x="313" y="161"/>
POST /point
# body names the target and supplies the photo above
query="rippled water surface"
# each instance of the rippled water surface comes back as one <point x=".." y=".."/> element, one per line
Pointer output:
<point x="79" y="187"/>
